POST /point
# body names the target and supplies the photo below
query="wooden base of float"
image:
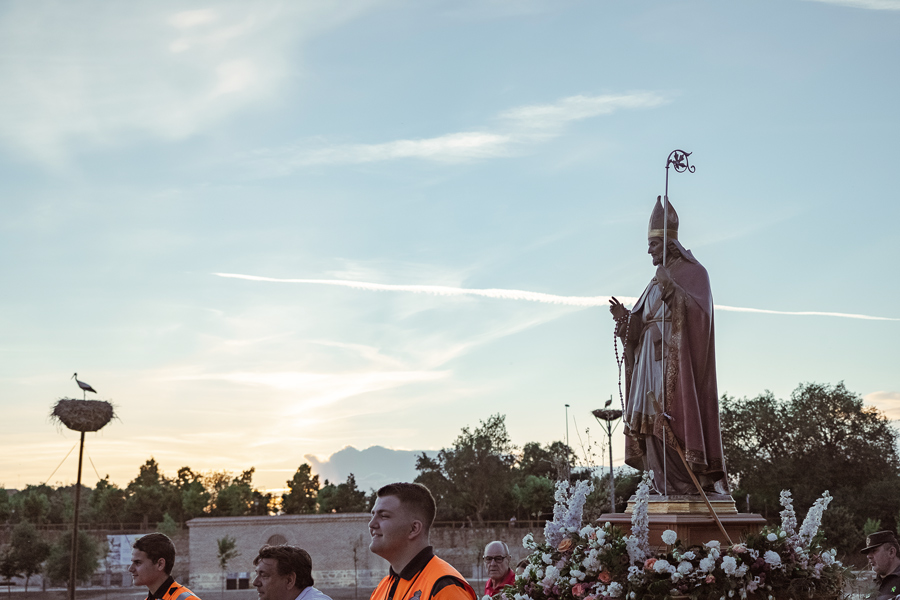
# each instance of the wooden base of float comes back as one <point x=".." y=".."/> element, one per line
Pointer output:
<point x="689" y="517"/>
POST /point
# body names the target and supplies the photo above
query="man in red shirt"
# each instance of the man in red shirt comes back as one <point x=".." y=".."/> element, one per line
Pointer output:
<point x="496" y="560"/>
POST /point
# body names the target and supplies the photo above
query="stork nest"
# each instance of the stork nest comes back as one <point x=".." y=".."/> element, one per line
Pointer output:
<point x="83" y="415"/>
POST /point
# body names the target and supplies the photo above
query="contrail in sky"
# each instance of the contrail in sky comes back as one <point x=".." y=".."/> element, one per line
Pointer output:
<point x="580" y="301"/>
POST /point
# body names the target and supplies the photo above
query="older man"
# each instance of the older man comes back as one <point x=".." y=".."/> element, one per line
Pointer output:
<point x="400" y="526"/>
<point x="496" y="560"/>
<point x="882" y="551"/>
<point x="285" y="573"/>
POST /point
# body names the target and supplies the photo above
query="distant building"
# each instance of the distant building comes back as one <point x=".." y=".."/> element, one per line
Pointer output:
<point x="337" y="543"/>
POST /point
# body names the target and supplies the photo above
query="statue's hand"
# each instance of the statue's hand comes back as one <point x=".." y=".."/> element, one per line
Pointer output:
<point x="662" y="276"/>
<point x="617" y="309"/>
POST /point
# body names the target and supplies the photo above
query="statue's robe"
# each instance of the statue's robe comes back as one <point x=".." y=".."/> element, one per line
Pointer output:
<point x="691" y="397"/>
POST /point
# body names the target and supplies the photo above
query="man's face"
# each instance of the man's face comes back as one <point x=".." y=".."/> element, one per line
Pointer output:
<point x="389" y="527"/>
<point x="655" y="250"/>
<point x="144" y="571"/>
<point x="496" y="561"/>
<point x="270" y="585"/>
<point x="882" y="559"/>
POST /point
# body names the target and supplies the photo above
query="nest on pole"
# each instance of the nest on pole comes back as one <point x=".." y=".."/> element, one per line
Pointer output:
<point x="83" y="415"/>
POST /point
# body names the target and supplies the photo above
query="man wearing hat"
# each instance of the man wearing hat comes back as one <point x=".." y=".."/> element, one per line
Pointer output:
<point x="882" y="551"/>
<point x="672" y="321"/>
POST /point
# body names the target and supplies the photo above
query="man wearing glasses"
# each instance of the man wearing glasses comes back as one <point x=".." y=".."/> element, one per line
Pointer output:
<point x="496" y="561"/>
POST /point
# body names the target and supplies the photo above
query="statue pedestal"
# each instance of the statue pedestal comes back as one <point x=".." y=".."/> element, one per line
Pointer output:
<point x="689" y="517"/>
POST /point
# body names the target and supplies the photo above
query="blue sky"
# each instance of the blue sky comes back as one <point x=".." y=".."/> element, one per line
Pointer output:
<point x="147" y="147"/>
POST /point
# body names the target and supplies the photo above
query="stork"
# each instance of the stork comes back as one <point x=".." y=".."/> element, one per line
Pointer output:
<point x="85" y="387"/>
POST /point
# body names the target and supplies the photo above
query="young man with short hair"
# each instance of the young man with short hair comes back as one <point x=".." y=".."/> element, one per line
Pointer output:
<point x="152" y="559"/>
<point x="285" y="573"/>
<point x="400" y="525"/>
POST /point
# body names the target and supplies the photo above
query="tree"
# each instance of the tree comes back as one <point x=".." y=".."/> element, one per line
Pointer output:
<point x="5" y="508"/>
<point x="107" y="502"/>
<point x="304" y="488"/>
<point x="226" y="552"/>
<point x="236" y="498"/>
<point x="60" y="557"/>
<point x="29" y="550"/>
<point x="474" y="476"/>
<point x="823" y="438"/>
<point x="147" y="494"/>
<point x="194" y="497"/>
<point x="8" y="568"/>
<point x="534" y="495"/>
<point x="33" y="504"/>
<point x="342" y="498"/>
<point x="168" y="526"/>
<point x="551" y="461"/>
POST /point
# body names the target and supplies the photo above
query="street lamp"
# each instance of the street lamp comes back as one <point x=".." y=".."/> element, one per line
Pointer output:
<point x="606" y="417"/>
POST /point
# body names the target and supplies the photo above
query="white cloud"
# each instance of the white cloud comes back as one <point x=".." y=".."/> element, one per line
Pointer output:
<point x="316" y="390"/>
<point x="89" y="73"/>
<point x="575" y="108"/>
<point x="454" y="147"/>
<point x="866" y="4"/>
<point x="518" y="128"/>
<point x="579" y="301"/>
<point x="887" y="402"/>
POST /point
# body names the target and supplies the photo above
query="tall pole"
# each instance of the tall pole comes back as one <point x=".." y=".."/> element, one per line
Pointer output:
<point x="678" y="159"/>
<point x="612" y="479"/>
<point x="74" y="549"/>
<point x="606" y="417"/>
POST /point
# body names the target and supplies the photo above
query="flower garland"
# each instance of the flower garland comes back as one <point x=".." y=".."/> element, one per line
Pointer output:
<point x="600" y="562"/>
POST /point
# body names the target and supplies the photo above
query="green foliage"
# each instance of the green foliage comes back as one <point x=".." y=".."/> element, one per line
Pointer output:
<point x="870" y="527"/>
<point x="823" y="438"/>
<point x="107" y="502"/>
<point x="33" y="504"/>
<point x="147" y="493"/>
<point x="5" y="505"/>
<point x="234" y="498"/>
<point x="304" y="488"/>
<point x="8" y="567"/>
<point x="226" y="551"/>
<point x="28" y="550"/>
<point x="534" y="495"/>
<point x="193" y="495"/>
<point x="168" y="526"/>
<point x="89" y="552"/>
<point x="474" y="476"/>
<point x="342" y="498"/>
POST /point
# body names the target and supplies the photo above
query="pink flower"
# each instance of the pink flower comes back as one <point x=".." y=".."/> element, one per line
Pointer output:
<point x="648" y="564"/>
<point x="710" y="579"/>
<point x="739" y="548"/>
<point x="579" y="589"/>
<point x="604" y="577"/>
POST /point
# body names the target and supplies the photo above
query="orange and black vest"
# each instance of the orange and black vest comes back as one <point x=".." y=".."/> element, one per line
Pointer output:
<point x="421" y="579"/>
<point x="176" y="591"/>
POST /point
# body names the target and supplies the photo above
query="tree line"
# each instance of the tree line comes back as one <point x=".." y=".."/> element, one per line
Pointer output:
<point x="152" y="498"/>
<point x="822" y="437"/>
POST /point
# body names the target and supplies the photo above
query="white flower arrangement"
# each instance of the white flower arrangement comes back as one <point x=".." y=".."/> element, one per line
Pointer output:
<point x="586" y="562"/>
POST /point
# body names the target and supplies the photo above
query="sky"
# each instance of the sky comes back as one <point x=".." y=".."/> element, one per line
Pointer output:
<point x="270" y="231"/>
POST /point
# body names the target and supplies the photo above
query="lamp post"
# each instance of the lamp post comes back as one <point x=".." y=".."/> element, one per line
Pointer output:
<point x="606" y="417"/>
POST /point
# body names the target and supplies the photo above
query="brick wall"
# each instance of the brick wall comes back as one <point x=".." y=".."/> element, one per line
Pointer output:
<point x="338" y="545"/>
